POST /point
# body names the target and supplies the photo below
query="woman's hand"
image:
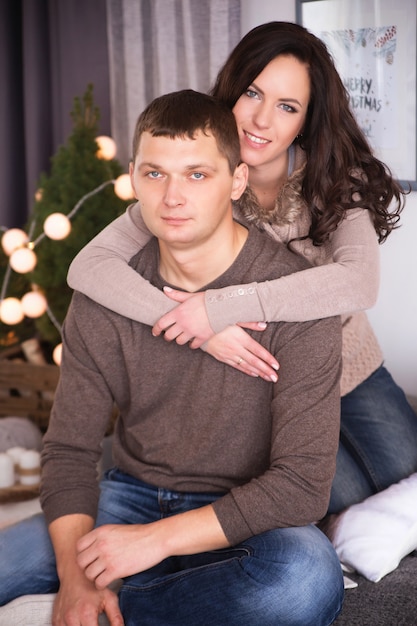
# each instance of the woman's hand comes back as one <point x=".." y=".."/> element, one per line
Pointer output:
<point x="188" y="322"/>
<point x="235" y="347"/>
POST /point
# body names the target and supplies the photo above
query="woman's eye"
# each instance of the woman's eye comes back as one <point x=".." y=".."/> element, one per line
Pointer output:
<point x="288" y="108"/>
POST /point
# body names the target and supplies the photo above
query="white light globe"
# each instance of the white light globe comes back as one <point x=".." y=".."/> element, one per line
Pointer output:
<point x="123" y="187"/>
<point x="57" y="226"/>
<point x="34" y="304"/>
<point x="12" y="239"/>
<point x="11" y="311"/>
<point x="23" y="260"/>
<point x="57" y="354"/>
<point x="106" y="148"/>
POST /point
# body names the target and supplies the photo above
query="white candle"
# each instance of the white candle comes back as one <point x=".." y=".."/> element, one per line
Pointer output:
<point x="15" y="454"/>
<point x="6" y="471"/>
<point x="30" y="467"/>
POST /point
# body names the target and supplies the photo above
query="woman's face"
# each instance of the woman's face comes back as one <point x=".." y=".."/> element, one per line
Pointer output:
<point x="272" y="112"/>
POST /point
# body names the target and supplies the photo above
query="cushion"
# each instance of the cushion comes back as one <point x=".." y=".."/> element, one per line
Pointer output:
<point x="33" y="611"/>
<point x="373" y="536"/>
<point x="19" y="431"/>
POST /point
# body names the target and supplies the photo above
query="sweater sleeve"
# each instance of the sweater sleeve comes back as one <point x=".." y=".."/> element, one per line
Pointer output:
<point x="305" y="410"/>
<point x="79" y="417"/>
<point x="101" y="271"/>
<point x="348" y="283"/>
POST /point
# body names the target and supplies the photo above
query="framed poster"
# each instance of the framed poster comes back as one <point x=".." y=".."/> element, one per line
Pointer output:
<point x="373" y="44"/>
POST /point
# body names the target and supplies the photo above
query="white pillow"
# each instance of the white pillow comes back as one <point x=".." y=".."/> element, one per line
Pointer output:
<point x="33" y="611"/>
<point x="373" y="536"/>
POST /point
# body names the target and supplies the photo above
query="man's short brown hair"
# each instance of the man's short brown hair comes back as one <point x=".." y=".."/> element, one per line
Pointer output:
<point x="183" y="114"/>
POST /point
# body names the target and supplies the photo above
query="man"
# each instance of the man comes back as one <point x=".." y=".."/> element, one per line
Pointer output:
<point x="207" y="516"/>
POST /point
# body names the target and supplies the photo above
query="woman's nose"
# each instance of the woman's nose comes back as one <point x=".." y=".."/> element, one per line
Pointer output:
<point x="263" y="115"/>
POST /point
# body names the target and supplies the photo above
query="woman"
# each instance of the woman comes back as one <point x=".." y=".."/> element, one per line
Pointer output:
<point x="315" y="185"/>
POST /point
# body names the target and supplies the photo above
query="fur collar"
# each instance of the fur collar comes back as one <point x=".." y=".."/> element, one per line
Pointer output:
<point x="289" y="205"/>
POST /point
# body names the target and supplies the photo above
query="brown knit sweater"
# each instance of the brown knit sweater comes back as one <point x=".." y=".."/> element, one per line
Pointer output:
<point x="190" y="423"/>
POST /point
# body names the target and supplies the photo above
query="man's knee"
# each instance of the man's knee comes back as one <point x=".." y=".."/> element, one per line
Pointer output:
<point x="303" y="580"/>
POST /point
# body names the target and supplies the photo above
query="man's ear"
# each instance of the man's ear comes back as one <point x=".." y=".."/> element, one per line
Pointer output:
<point x="240" y="181"/>
<point x="132" y="180"/>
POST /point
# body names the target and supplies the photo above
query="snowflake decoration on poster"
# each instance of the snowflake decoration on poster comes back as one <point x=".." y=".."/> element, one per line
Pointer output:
<point x="382" y="39"/>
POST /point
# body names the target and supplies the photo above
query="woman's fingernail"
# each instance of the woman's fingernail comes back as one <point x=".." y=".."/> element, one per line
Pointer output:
<point x="166" y="288"/>
<point x="262" y="325"/>
<point x="275" y="366"/>
<point x="274" y="378"/>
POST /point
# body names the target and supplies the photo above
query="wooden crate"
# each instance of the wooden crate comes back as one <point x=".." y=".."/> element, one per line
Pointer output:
<point x="27" y="390"/>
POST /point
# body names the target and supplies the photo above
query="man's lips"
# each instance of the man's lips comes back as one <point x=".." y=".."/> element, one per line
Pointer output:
<point x="260" y="141"/>
<point x="174" y="220"/>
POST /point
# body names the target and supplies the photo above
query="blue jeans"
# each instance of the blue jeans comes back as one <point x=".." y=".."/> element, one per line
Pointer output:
<point x="288" y="576"/>
<point x="378" y="441"/>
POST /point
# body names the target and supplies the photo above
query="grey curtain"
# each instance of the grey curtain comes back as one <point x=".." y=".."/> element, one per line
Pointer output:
<point x="49" y="51"/>
<point x="157" y="46"/>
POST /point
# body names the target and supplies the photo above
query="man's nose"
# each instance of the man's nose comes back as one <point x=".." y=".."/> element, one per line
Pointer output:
<point x="174" y="195"/>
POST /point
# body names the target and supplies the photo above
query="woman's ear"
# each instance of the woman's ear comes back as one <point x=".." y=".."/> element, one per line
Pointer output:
<point x="240" y="181"/>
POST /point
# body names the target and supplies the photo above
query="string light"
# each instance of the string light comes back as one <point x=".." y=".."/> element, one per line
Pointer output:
<point x="11" y="311"/>
<point x="57" y="354"/>
<point x="123" y="187"/>
<point x="34" y="304"/>
<point x="23" y="260"/>
<point x="106" y="148"/>
<point x="12" y="239"/>
<point x="57" y="226"/>
<point x="19" y="247"/>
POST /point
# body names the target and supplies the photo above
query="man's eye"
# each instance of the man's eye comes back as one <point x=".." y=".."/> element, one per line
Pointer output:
<point x="153" y="175"/>
<point x="197" y="176"/>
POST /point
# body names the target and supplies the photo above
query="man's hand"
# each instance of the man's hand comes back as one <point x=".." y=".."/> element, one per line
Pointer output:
<point x="115" y="550"/>
<point x="80" y="604"/>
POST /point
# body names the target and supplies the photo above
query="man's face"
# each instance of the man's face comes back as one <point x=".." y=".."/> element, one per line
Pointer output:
<point x="184" y="187"/>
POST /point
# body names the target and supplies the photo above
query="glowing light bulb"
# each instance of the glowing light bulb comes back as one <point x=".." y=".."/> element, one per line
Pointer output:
<point x="23" y="260"/>
<point x="11" y="311"/>
<point x="123" y="187"/>
<point x="106" y="148"/>
<point x="57" y="226"/>
<point x="12" y="239"/>
<point x="57" y="354"/>
<point x="34" y="304"/>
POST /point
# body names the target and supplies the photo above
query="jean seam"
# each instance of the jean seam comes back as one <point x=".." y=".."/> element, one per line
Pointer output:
<point x="172" y="578"/>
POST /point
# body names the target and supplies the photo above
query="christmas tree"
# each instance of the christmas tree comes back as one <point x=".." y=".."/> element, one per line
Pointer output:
<point x="76" y="171"/>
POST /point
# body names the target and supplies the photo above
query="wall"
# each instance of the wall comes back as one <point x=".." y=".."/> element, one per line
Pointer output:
<point x="394" y="317"/>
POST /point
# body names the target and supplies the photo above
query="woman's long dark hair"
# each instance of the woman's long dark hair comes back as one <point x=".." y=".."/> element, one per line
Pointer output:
<point x="341" y="170"/>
